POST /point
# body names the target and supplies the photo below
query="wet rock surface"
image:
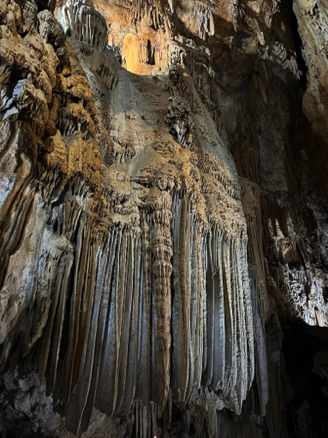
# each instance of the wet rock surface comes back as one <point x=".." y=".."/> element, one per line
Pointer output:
<point x="163" y="219"/>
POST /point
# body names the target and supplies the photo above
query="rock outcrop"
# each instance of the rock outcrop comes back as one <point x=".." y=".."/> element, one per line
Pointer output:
<point x="163" y="219"/>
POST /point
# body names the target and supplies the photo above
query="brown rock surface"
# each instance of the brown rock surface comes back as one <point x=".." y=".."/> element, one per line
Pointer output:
<point x="163" y="219"/>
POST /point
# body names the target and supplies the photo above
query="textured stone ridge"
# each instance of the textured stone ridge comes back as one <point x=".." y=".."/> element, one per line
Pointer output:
<point x="156" y="242"/>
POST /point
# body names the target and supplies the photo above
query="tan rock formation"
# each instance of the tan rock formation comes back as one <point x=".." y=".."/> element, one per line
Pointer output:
<point x="156" y="240"/>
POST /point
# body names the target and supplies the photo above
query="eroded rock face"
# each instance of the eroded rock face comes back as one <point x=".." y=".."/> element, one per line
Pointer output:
<point x="155" y="237"/>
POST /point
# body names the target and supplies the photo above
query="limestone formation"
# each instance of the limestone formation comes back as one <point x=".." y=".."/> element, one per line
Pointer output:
<point x="163" y="219"/>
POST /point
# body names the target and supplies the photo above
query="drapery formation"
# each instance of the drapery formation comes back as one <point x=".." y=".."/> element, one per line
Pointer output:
<point x="145" y="304"/>
<point x="136" y="272"/>
<point x="135" y="284"/>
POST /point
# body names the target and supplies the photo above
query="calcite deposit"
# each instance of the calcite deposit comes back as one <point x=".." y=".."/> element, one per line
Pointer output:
<point x="163" y="218"/>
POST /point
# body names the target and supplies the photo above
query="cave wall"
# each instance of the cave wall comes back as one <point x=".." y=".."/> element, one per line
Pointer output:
<point x="163" y="219"/>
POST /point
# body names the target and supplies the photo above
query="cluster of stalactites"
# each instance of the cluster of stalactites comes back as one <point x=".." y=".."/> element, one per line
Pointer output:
<point x="146" y="301"/>
<point x="159" y="324"/>
<point x="83" y="23"/>
<point x="212" y="315"/>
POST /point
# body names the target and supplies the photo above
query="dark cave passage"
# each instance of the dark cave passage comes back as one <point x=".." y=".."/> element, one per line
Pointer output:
<point x="305" y="350"/>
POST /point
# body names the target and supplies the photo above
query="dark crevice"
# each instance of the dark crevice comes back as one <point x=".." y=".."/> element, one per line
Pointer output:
<point x="298" y="44"/>
<point x="307" y="410"/>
